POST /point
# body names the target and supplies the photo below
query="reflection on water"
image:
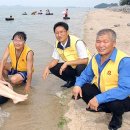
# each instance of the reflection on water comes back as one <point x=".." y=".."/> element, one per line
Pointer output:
<point x="42" y="110"/>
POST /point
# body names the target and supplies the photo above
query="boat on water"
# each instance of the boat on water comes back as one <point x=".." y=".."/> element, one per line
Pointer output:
<point x="34" y="13"/>
<point x="24" y="13"/>
<point x="9" y="19"/>
<point x="49" y="13"/>
<point x="40" y="13"/>
<point x="66" y="18"/>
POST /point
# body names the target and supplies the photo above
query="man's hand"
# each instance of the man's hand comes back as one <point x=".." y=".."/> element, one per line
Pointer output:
<point x="93" y="104"/>
<point x="63" y="67"/>
<point x="27" y="88"/>
<point x="77" y="91"/>
<point x="46" y="73"/>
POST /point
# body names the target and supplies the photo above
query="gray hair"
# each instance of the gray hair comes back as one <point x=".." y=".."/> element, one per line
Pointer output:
<point x="109" y="32"/>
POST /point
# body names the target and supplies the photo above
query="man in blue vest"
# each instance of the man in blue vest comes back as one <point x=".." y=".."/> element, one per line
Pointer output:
<point x="105" y="83"/>
<point x="70" y="56"/>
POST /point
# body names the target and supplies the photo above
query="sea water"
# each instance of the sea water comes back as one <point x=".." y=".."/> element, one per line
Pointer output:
<point x="42" y="110"/>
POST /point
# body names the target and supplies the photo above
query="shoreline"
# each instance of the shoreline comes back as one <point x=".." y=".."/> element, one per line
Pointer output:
<point x="94" y="21"/>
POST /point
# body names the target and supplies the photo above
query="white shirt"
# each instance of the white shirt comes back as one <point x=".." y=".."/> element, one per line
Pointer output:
<point x="81" y="50"/>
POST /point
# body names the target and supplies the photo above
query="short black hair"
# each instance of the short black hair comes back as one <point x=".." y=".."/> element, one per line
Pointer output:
<point x="21" y="35"/>
<point x="62" y="24"/>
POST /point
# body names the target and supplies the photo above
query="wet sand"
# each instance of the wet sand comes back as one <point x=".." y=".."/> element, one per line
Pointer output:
<point x="96" y="20"/>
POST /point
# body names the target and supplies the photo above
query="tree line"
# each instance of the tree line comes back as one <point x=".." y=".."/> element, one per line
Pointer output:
<point x="124" y="2"/>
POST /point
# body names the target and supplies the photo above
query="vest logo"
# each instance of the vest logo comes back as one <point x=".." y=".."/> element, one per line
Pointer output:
<point x="109" y="72"/>
<point x="23" y="60"/>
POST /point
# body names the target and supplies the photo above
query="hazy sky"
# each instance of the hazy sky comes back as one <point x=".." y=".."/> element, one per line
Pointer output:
<point x="56" y="3"/>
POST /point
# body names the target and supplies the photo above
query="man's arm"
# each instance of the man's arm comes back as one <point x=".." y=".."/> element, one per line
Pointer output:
<point x="77" y="62"/>
<point x="122" y="91"/>
<point x="48" y="67"/>
<point x="30" y="59"/>
<point x="85" y="77"/>
<point x="52" y="63"/>
<point x="82" y="54"/>
<point x="74" y="62"/>
<point x="3" y="61"/>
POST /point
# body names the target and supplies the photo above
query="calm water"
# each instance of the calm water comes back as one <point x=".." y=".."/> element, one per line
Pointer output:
<point x="42" y="110"/>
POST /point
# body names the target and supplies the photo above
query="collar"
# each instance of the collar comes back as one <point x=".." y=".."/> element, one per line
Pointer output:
<point x="67" y="44"/>
<point x="113" y="55"/>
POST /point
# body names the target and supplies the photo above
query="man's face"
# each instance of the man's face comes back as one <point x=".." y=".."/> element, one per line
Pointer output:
<point x="104" y="44"/>
<point x="18" y="43"/>
<point x="61" y="34"/>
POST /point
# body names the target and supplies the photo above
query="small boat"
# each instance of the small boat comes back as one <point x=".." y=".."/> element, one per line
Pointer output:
<point x="40" y="13"/>
<point x="34" y="13"/>
<point x="9" y="19"/>
<point x="49" y="13"/>
<point x="66" y="17"/>
<point x="24" y="13"/>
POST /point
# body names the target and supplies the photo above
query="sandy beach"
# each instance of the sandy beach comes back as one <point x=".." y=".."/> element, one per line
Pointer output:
<point x="96" y="20"/>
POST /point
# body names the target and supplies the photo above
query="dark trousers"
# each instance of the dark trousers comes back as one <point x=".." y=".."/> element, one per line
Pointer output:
<point x="69" y="74"/>
<point x="117" y="107"/>
<point x="3" y="100"/>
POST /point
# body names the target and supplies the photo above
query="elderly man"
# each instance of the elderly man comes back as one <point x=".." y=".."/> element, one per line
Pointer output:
<point x="105" y="84"/>
<point x="21" y="65"/>
<point x="73" y="53"/>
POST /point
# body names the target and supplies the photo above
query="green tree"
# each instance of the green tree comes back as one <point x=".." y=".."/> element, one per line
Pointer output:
<point x="124" y="2"/>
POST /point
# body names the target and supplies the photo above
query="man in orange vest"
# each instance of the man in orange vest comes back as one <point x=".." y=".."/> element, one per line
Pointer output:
<point x="105" y="83"/>
<point x="21" y="65"/>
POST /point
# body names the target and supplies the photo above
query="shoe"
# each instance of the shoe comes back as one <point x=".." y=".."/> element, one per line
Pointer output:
<point x="100" y="109"/>
<point x="69" y="84"/>
<point x="115" y="122"/>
